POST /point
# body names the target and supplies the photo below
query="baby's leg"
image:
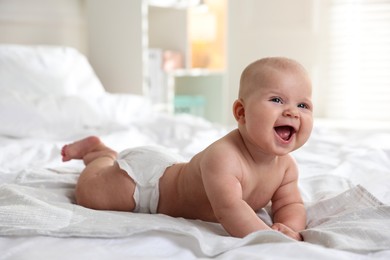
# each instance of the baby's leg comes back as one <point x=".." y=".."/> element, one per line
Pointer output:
<point x="86" y="149"/>
<point x="102" y="184"/>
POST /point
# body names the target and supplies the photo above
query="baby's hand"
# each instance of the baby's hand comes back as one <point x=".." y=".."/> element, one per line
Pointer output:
<point x="287" y="231"/>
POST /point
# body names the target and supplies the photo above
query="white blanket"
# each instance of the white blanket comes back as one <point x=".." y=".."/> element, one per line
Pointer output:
<point x="40" y="202"/>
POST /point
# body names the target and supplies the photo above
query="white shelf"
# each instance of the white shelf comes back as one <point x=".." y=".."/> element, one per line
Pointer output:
<point x="195" y="72"/>
<point x="167" y="29"/>
<point x="179" y="4"/>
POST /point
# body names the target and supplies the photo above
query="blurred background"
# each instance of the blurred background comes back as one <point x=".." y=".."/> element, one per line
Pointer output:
<point x="187" y="55"/>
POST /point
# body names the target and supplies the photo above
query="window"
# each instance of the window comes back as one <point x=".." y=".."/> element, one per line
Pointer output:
<point x="358" y="62"/>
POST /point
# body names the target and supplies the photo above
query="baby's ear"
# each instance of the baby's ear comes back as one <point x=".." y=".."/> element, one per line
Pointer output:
<point x="239" y="111"/>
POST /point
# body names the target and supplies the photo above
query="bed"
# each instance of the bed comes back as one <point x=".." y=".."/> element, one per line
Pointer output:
<point x="50" y="96"/>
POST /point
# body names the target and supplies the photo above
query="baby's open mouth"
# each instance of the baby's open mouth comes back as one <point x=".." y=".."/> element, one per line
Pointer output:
<point x="285" y="132"/>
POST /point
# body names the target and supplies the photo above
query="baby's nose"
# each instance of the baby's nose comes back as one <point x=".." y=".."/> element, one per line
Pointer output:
<point x="290" y="112"/>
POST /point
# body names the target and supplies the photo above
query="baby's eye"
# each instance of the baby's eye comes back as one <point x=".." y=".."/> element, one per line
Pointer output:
<point x="303" y="105"/>
<point x="276" y="100"/>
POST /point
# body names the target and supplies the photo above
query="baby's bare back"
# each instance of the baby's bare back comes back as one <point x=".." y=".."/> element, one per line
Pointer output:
<point x="182" y="193"/>
<point x="182" y="190"/>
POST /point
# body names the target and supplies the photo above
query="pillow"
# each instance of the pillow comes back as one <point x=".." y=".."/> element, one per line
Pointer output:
<point x="42" y="70"/>
<point x="54" y="117"/>
<point x="50" y="116"/>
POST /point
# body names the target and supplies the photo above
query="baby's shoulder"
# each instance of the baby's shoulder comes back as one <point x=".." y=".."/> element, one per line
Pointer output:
<point x="223" y="149"/>
<point x="222" y="152"/>
<point x="289" y="166"/>
<point x="287" y="159"/>
<point x="222" y="160"/>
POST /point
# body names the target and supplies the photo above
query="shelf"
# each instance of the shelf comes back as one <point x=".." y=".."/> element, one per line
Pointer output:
<point x="178" y="4"/>
<point x="195" y="72"/>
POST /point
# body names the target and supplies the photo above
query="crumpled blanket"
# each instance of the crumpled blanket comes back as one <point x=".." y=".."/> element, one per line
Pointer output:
<point x="41" y="202"/>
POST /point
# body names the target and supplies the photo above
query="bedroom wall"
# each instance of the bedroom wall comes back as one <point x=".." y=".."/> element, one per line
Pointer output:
<point x="115" y="43"/>
<point x="43" y="22"/>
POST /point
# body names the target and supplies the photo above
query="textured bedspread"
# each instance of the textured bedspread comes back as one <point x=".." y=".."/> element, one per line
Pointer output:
<point x="40" y="202"/>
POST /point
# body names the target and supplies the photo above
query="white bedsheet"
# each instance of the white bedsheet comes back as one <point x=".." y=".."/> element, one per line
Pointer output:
<point x="345" y="185"/>
<point x="47" y="196"/>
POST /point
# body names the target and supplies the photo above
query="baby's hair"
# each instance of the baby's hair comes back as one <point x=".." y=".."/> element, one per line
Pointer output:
<point x="255" y="69"/>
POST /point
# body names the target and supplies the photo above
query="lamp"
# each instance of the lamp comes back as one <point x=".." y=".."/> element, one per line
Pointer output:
<point x="203" y="29"/>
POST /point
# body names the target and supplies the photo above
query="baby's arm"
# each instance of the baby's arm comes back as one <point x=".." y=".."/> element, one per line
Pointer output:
<point x="221" y="175"/>
<point x="287" y="205"/>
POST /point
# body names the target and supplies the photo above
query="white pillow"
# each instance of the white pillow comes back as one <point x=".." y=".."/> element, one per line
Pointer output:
<point x="50" y="116"/>
<point x="54" y="117"/>
<point x="41" y="70"/>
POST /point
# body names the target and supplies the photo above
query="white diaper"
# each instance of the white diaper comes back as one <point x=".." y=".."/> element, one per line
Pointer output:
<point x="145" y="165"/>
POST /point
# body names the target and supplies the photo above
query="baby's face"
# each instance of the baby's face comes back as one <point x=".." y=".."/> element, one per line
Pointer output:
<point x="278" y="113"/>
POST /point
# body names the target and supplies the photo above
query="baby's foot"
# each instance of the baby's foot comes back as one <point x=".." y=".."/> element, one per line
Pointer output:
<point x="79" y="149"/>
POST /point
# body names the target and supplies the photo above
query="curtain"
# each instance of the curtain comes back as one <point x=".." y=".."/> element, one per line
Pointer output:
<point x="358" y="60"/>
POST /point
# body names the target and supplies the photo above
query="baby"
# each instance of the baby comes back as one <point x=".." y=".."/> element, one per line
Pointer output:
<point x="228" y="181"/>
